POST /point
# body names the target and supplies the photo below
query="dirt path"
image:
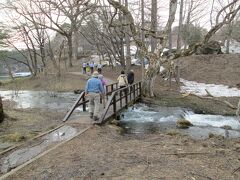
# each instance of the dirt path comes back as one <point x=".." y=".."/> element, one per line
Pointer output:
<point x="109" y="81"/>
<point x="102" y="153"/>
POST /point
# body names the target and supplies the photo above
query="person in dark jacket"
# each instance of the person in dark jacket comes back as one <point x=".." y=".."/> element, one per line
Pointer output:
<point x="130" y="77"/>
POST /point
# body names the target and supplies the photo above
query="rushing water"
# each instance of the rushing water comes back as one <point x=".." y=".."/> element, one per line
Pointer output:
<point x="146" y="119"/>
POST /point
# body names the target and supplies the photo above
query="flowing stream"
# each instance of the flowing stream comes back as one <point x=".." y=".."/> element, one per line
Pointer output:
<point x="141" y="119"/>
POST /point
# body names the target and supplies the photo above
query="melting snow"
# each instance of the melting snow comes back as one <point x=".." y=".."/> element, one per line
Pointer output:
<point x="213" y="89"/>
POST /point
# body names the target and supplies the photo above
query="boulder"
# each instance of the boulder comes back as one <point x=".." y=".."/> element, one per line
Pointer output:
<point x="227" y="127"/>
<point x="211" y="47"/>
<point x="183" y="123"/>
<point x="78" y="91"/>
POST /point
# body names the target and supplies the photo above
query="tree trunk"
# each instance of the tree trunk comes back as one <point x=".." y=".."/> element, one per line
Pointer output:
<point x="9" y="70"/>
<point x="154" y="25"/>
<point x="150" y="75"/>
<point x="70" y="51"/>
<point x="229" y="33"/>
<point x="75" y="44"/>
<point x="180" y="26"/>
<point x="1" y="110"/>
<point x="127" y="38"/>
<point x="142" y="34"/>
<point x="121" y="41"/>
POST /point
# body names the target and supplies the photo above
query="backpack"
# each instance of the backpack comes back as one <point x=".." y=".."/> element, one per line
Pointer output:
<point x="122" y="80"/>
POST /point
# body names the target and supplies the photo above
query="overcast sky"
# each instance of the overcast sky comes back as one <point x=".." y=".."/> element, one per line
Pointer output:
<point x="201" y="14"/>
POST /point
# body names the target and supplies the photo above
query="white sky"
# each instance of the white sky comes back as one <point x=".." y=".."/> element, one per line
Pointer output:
<point x="203" y="10"/>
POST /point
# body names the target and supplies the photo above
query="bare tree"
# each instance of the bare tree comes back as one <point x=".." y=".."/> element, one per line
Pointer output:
<point x="127" y="39"/>
<point x="154" y="63"/>
<point x="154" y="25"/>
<point x="154" y="58"/>
<point x="56" y="13"/>
<point x="180" y="25"/>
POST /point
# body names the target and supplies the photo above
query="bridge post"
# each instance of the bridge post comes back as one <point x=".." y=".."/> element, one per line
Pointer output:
<point x="121" y="99"/>
<point x="112" y="88"/>
<point x="134" y="93"/>
<point x="140" y="90"/>
<point x="114" y="106"/>
<point x="126" y="97"/>
<point x="84" y="103"/>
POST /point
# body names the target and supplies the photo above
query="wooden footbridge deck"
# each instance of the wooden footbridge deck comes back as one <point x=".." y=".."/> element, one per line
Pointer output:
<point x="116" y="100"/>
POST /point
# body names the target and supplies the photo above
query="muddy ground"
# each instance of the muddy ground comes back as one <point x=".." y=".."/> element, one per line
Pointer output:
<point x="105" y="153"/>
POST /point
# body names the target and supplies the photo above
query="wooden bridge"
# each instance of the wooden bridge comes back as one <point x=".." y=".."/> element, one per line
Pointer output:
<point x="117" y="99"/>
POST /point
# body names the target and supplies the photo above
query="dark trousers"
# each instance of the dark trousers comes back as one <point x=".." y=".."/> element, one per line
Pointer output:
<point x="84" y="70"/>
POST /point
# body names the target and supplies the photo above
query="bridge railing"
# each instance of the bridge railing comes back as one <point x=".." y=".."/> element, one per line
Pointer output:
<point x="120" y="99"/>
<point x="117" y="98"/>
<point x="81" y="100"/>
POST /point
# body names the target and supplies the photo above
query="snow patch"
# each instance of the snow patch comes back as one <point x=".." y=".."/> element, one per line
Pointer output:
<point x="215" y="90"/>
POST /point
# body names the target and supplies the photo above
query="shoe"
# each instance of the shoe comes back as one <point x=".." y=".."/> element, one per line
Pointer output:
<point x="95" y="118"/>
<point x="91" y="115"/>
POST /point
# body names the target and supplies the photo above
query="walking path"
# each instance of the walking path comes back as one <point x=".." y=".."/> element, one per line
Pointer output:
<point x="109" y="81"/>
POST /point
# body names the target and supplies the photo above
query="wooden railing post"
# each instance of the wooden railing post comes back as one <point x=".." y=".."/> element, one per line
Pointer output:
<point x="134" y="93"/>
<point x="111" y="87"/>
<point x="126" y="97"/>
<point x="130" y="90"/>
<point x="114" y="106"/>
<point x="84" y="104"/>
<point x="121" y="99"/>
<point x="140" y="89"/>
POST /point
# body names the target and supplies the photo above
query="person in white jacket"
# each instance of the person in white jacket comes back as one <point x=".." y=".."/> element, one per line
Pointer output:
<point x="122" y="80"/>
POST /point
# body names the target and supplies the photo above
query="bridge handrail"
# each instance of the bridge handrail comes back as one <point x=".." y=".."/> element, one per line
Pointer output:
<point x="114" y="89"/>
<point x="113" y="99"/>
<point x="81" y="98"/>
<point x="76" y="104"/>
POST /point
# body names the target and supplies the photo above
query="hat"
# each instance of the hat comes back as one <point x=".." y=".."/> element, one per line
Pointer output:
<point x="95" y="74"/>
<point x="100" y="76"/>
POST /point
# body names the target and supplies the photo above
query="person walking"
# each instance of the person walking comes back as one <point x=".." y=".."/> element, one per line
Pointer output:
<point x="130" y="77"/>
<point x="122" y="80"/>
<point x="104" y="83"/>
<point x="94" y="90"/>
<point x="91" y="67"/>
<point x="84" y="65"/>
<point x="87" y="69"/>
<point x="99" y="68"/>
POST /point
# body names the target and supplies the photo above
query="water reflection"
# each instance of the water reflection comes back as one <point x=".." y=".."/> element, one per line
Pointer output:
<point x="41" y="99"/>
<point x="22" y="155"/>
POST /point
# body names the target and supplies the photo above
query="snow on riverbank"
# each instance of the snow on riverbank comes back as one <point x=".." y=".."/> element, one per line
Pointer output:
<point x="215" y="90"/>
